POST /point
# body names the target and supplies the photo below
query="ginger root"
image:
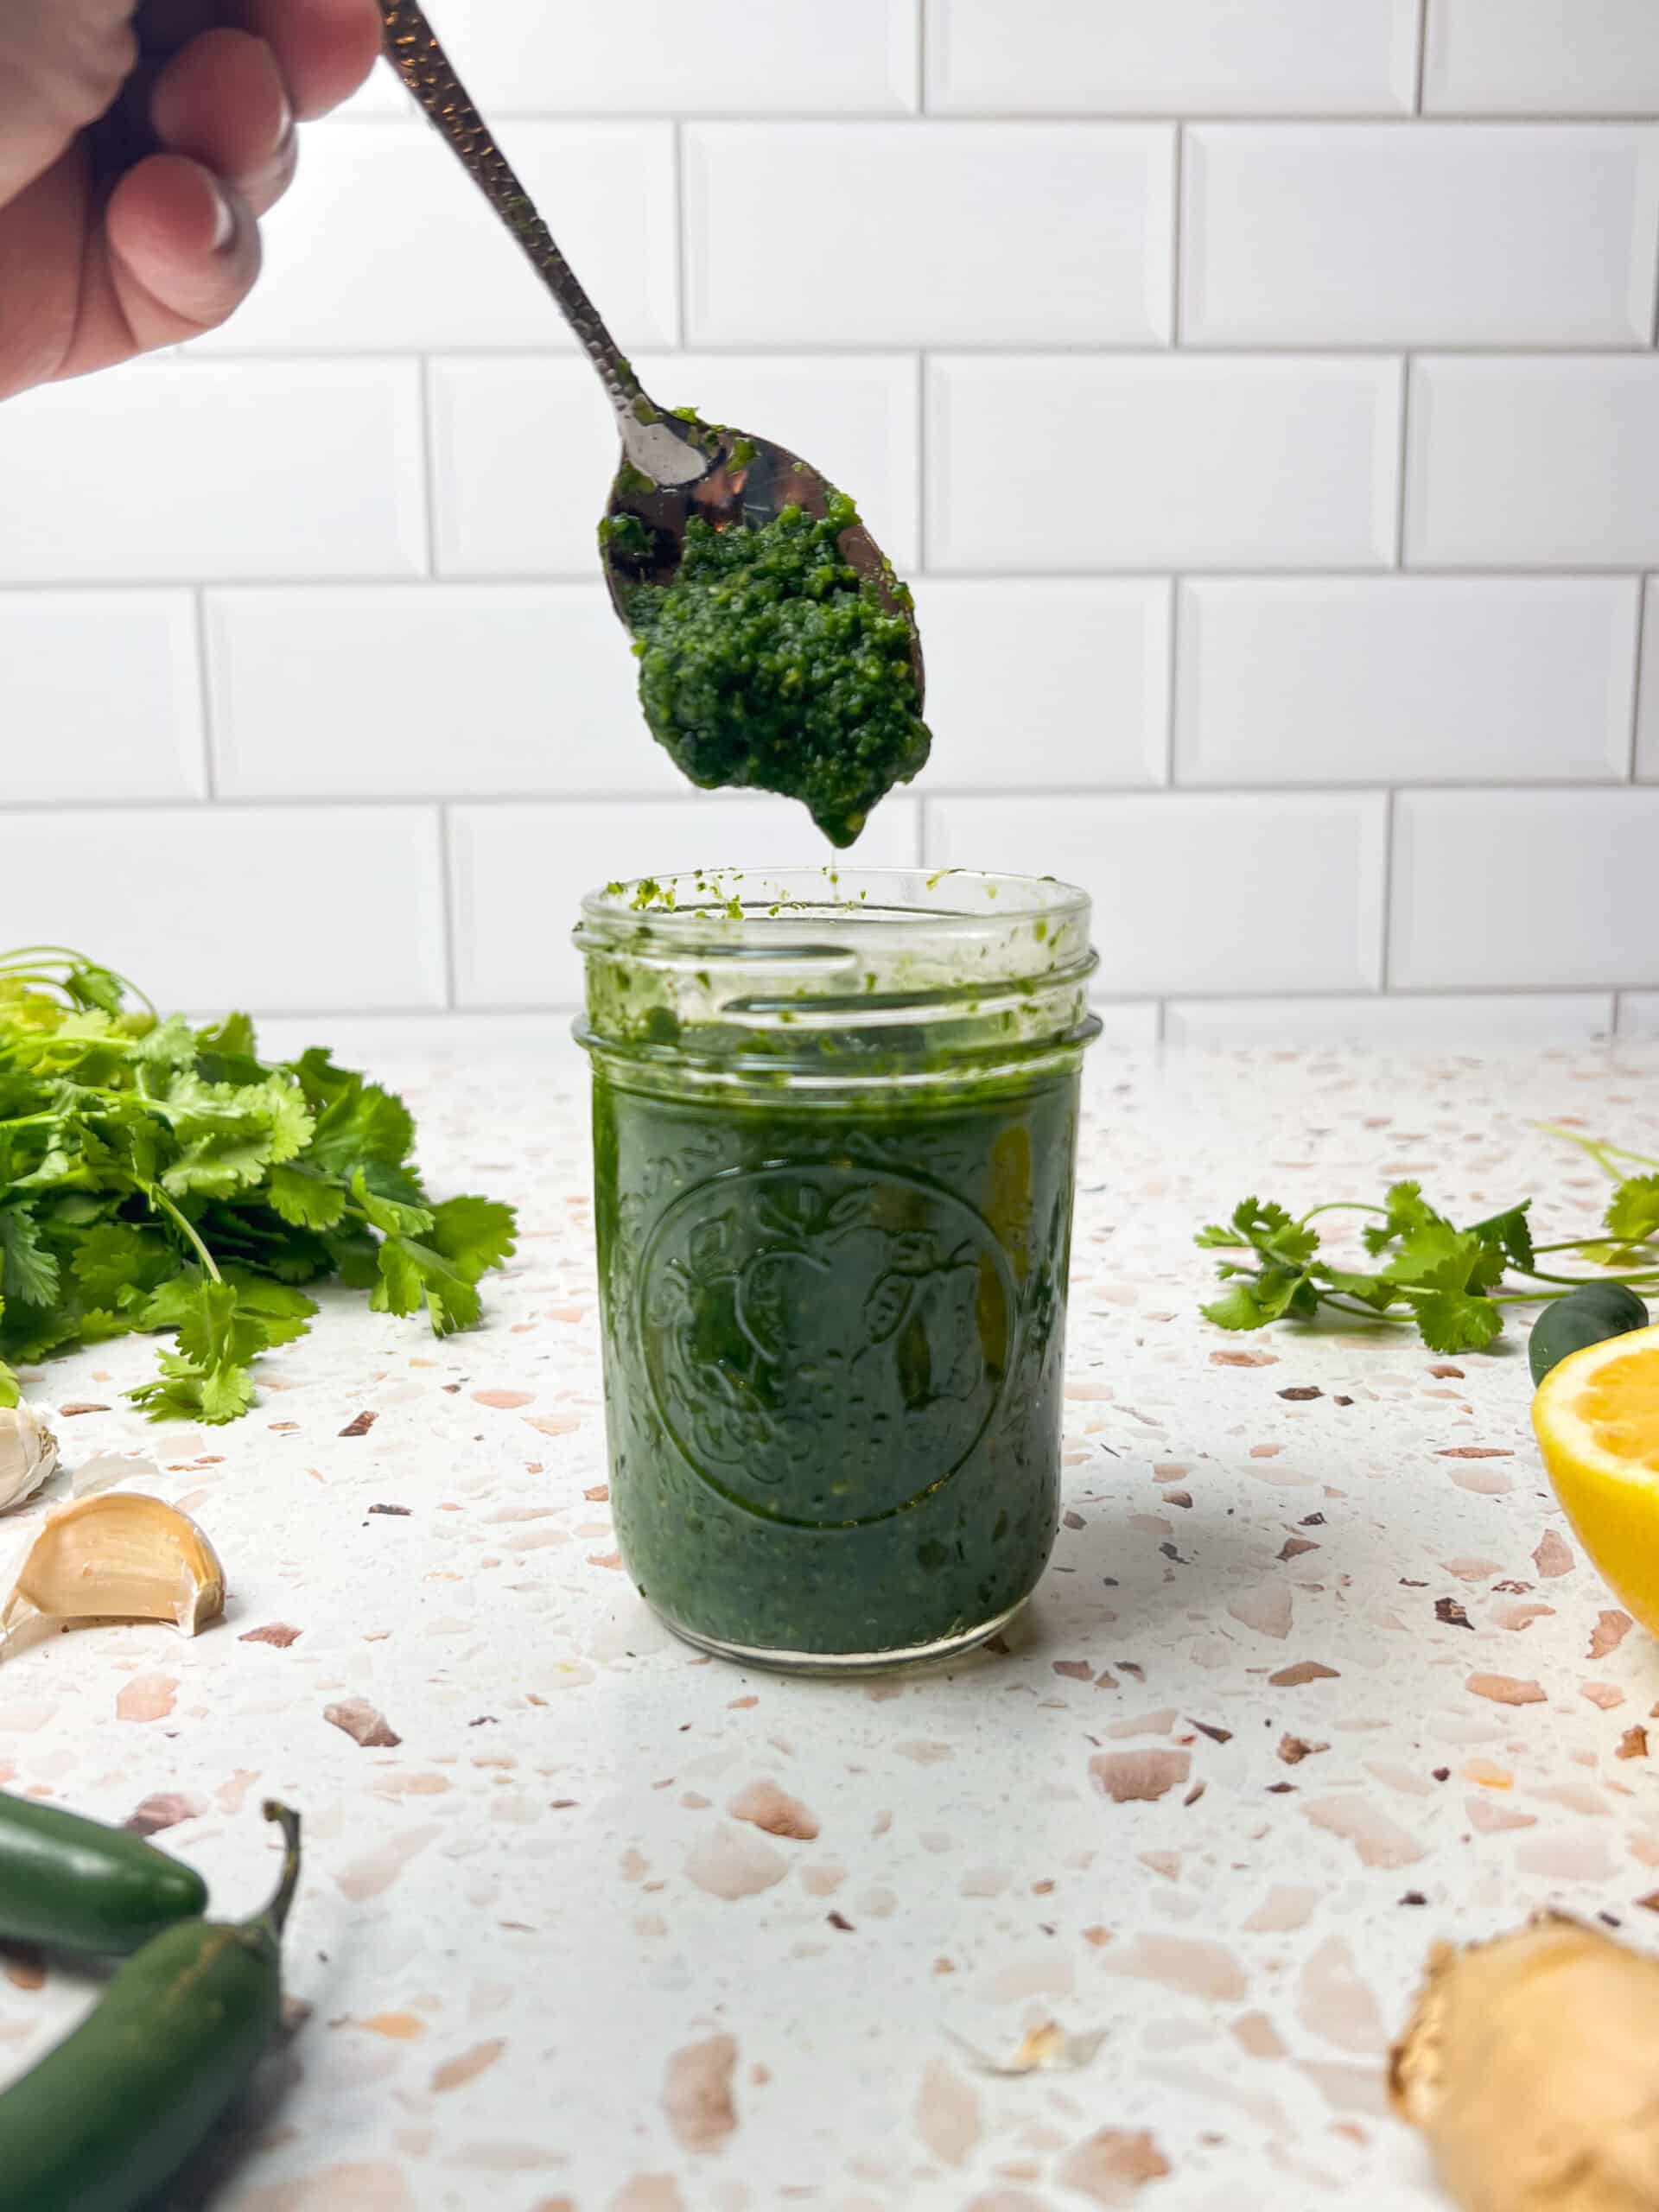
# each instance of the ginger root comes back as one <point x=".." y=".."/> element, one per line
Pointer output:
<point x="1531" y="2063"/>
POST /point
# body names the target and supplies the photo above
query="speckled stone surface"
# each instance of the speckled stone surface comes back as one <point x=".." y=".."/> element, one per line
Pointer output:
<point x="1317" y="1676"/>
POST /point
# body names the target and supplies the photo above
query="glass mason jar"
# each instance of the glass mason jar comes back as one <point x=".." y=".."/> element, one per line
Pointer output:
<point x="834" y="1127"/>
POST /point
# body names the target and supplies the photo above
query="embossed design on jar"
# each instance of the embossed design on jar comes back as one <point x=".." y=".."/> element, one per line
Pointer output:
<point x="874" y="1316"/>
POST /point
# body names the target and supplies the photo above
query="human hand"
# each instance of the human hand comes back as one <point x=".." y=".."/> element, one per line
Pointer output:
<point x="140" y="141"/>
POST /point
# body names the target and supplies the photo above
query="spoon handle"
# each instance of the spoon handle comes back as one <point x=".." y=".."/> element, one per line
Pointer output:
<point x="413" y="49"/>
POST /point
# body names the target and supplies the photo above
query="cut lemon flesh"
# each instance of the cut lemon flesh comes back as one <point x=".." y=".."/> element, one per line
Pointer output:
<point x="1596" y="1419"/>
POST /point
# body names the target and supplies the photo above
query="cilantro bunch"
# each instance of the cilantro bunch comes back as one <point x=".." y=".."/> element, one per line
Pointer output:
<point x="158" y="1178"/>
<point x="1454" y="1283"/>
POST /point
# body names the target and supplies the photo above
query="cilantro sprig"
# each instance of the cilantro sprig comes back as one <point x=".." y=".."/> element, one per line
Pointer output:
<point x="1452" y="1283"/>
<point x="158" y="1178"/>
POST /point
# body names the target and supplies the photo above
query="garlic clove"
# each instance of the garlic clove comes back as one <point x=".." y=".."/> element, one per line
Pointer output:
<point x="28" y="1453"/>
<point x="118" y="1556"/>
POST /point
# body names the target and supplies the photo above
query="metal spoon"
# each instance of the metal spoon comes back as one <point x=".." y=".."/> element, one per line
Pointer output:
<point x="673" y="467"/>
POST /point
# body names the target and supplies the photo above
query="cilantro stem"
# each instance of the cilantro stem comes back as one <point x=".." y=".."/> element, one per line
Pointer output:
<point x="1597" y="1149"/>
<point x="158" y="1197"/>
<point x="1342" y="1206"/>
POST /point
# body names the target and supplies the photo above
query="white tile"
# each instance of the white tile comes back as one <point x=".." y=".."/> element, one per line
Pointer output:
<point x="1185" y="462"/>
<point x="1532" y="463"/>
<point x="685" y="57"/>
<point x="1457" y="233"/>
<point x="1454" y="679"/>
<point x="1461" y="1021"/>
<point x="942" y="234"/>
<point x="469" y="690"/>
<point x="1128" y="1025"/>
<point x="262" y="908"/>
<point x="520" y="873"/>
<point x="1553" y="889"/>
<point x="383" y="243"/>
<point x="524" y="450"/>
<point x="1542" y="57"/>
<point x="100" y="695"/>
<point x="1191" y="894"/>
<point x="1647" y="728"/>
<point x="1172" y="57"/>
<point x="210" y="469"/>
<point x="1046" y="685"/>
<point x="1639" y="1015"/>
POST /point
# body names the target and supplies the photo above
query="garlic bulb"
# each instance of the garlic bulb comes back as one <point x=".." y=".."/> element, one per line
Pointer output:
<point x="29" y="1453"/>
<point x="117" y="1555"/>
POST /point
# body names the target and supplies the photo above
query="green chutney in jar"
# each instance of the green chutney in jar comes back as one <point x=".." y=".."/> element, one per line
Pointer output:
<point x="835" y="1128"/>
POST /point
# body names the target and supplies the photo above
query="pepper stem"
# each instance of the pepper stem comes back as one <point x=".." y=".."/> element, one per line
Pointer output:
<point x="275" y="1915"/>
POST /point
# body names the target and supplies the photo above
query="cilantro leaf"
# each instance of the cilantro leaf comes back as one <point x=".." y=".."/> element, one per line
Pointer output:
<point x="386" y="1215"/>
<point x="1633" y="1209"/>
<point x="1511" y="1232"/>
<point x="28" y="1271"/>
<point x="411" y="1272"/>
<point x="475" y="1233"/>
<point x="302" y="1197"/>
<point x="1452" y="1321"/>
<point x="116" y="1262"/>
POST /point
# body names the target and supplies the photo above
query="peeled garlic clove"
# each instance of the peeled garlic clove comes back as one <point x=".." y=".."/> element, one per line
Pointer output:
<point x="29" y="1453"/>
<point x="118" y="1556"/>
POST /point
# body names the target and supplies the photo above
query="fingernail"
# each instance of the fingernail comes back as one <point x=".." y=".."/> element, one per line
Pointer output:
<point x="224" y="221"/>
<point x="285" y="131"/>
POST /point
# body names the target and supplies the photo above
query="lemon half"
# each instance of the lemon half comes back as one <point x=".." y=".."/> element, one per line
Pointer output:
<point x="1596" y="1419"/>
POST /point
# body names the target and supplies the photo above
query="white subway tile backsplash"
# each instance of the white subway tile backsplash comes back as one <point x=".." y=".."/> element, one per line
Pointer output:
<point x="1180" y="461"/>
<point x="524" y="450"/>
<point x="433" y="268"/>
<point x="100" y="696"/>
<point x="1647" y="727"/>
<point x="1344" y="680"/>
<point x="518" y="872"/>
<point x="1045" y="684"/>
<point x="199" y="906"/>
<point x="1639" y="1015"/>
<point x="1532" y="463"/>
<point x="1172" y="57"/>
<point x="205" y="470"/>
<point x="1497" y="888"/>
<point x="953" y="234"/>
<point x="1198" y="893"/>
<point x="412" y="692"/>
<point x="1541" y="57"/>
<point x="1128" y="1025"/>
<point x="1365" y="234"/>
<point x="685" y="57"/>
<point x="1462" y="1021"/>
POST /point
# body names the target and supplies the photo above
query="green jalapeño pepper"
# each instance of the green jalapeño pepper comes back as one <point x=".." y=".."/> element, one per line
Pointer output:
<point x="76" y="1885"/>
<point x="105" y="2118"/>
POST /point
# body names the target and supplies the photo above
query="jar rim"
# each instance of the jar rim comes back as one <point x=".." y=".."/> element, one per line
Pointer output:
<point x="735" y="908"/>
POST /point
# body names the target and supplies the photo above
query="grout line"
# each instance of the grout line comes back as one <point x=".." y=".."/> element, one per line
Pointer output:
<point x="447" y="906"/>
<point x="921" y="57"/>
<point x="1178" y="233"/>
<point x="1635" y="689"/>
<point x="1173" y="679"/>
<point x="1422" y="57"/>
<point x="1141" y="571"/>
<point x="1160" y="1022"/>
<point x="1404" y="462"/>
<point x="922" y="857"/>
<point x="203" y="680"/>
<point x="1386" y="961"/>
<point x="681" y="255"/>
<point x="1033" y="118"/>
<point x="1034" y="352"/>
<point x="921" y="463"/>
<point x="359" y="799"/>
<point x="428" y="470"/>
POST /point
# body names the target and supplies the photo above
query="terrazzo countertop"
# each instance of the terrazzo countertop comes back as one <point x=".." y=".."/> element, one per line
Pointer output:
<point x="590" y="1924"/>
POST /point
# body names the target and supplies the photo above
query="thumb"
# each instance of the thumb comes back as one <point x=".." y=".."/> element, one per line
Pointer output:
<point x="62" y="62"/>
